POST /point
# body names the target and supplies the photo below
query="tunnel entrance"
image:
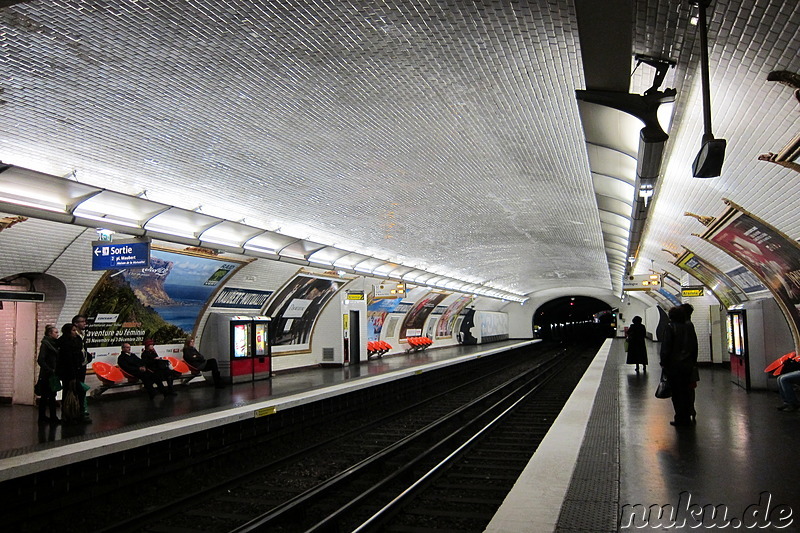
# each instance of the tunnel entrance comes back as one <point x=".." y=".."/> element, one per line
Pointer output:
<point x="574" y="317"/>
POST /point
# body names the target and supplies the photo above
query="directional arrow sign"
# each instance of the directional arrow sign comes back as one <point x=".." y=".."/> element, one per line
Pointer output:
<point x="127" y="253"/>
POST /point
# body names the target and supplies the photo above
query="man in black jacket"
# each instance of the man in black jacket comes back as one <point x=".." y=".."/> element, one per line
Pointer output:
<point x="80" y="323"/>
<point x="196" y="360"/>
<point x="133" y="365"/>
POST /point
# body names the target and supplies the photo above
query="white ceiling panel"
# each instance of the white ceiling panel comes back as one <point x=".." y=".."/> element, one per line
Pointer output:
<point x="613" y="187"/>
<point x="442" y="138"/>
<point x="610" y="128"/>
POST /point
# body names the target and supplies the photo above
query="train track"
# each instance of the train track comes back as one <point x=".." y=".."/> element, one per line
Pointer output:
<point x="446" y="461"/>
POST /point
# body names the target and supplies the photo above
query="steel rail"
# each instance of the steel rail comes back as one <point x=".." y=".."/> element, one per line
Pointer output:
<point x="170" y="508"/>
<point x="534" y="375"/>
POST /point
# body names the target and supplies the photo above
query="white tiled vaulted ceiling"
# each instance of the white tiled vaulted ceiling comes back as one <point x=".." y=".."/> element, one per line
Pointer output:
<point x="440" y="135"/>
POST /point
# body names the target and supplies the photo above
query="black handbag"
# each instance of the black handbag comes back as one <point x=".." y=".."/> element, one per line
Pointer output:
<point x="663" y="390"/>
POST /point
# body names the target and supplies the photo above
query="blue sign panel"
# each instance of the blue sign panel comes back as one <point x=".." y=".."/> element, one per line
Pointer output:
<point x="120" y="255"/>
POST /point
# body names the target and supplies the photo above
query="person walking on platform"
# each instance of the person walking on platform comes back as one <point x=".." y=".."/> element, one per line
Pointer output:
<point x="47" y="360"/>
<point x="678" y="358"/>
<point x="159" y="367"/>
<point x="637" y="351"/>
<point x="132" y="364"/>
<point x="196" y="360"/>
<point x="68" y="368"/>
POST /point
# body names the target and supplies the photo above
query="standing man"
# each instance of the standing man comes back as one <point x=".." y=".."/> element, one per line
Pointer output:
<point x="79" y="321"/>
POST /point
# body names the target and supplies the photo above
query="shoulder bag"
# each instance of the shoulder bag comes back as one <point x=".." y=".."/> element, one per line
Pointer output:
<point x="663" y="390"/>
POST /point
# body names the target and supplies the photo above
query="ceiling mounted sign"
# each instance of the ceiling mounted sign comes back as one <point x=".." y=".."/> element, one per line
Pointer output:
<point x="692" y="292"/>
<point x="641" y="282"/>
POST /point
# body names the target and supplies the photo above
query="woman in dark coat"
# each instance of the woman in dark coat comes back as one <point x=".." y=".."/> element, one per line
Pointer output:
<point x="47" y="359"/>
<point x="69" y="368"/>
<point x="637" y="351"/>
<point x="678" y="359"/>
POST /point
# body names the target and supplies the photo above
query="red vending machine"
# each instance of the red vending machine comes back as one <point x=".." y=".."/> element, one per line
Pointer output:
<point x="241" y="346"/>
<point x="737" y="348"/>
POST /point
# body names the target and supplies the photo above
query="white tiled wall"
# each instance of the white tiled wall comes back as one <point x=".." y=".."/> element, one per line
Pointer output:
<point x="701" y="318"/>
<point x="7" y="319"/>
<point x="73" y="267"/>
<point x="63" y="254"/>
<point x="36" y="244"/>
<point x="257" y="275"/>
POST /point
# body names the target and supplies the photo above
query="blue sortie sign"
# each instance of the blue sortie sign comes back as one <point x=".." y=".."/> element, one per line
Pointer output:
<point x="119" y="255"/>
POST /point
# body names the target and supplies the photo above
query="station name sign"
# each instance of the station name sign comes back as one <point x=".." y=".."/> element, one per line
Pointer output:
<point x="125" y="253"/>
<point x="692" y="292"/>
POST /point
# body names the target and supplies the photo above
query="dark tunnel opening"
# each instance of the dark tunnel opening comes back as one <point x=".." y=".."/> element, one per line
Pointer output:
<point x="575" y="317"/>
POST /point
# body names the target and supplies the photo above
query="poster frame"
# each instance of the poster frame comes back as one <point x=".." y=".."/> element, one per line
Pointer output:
<point x="735" y="212"/>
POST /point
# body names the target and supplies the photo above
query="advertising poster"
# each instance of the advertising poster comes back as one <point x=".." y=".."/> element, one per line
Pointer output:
<point x="295" y="308"/>
<point x="746" y="280"/>
<point x="377" y="311"/>
<point x="403" y="308"/>
<point x="720" y="285"/>
<point x="493" y="324"/>
<point x="416" y="317"/>
<point x="162" y="302"/>
<point x="444" y="328"/>
<point x="772" y="256"/>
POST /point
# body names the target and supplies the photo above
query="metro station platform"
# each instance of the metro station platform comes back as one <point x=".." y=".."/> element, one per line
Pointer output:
<point x="612" y="460"/>
<point x="131" y="420"/>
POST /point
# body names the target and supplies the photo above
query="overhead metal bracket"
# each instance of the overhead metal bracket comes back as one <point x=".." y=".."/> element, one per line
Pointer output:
<point x="662" y="67"/>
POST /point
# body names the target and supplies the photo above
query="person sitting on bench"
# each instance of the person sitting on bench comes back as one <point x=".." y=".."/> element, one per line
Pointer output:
<point x="196" y="360"/>
<point x="133" y="365"/>
<point x="160" y="368"/>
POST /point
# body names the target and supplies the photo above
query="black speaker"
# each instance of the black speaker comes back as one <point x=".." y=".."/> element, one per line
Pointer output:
<point x="708" y="163"/>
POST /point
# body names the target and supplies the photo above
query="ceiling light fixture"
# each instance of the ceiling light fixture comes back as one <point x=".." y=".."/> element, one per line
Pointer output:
<point x="108" y="219"/>
<point x="34" y="194"/>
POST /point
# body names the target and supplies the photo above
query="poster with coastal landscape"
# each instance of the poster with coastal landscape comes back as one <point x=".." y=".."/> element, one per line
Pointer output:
<point x="162" y="302"/>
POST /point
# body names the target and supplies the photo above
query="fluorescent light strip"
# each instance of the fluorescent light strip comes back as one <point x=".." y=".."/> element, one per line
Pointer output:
<point x="221" y="242"/>
<point x="170" y="231"/>
<point x="262" y="249"/>
<point x="117" y="221"/>
<point x="56" y="208"/>
<point x="418" y="272"/>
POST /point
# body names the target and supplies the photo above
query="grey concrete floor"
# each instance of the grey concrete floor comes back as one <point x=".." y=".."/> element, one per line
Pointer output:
<point x="742" y="453"/>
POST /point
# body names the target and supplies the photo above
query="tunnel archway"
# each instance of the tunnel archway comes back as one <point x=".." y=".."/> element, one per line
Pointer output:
<point x="572" y="317"/>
